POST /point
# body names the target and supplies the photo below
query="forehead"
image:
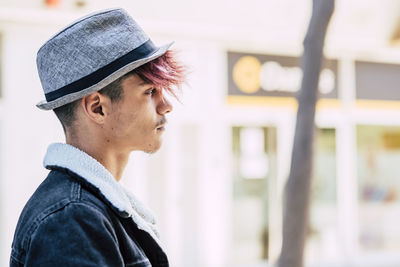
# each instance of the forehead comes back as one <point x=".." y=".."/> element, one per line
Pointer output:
<point x="133" y="80"/>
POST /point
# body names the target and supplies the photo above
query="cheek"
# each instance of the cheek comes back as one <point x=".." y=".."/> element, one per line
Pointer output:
<point x="131" y="123"/>
<point x="120" y="123"/>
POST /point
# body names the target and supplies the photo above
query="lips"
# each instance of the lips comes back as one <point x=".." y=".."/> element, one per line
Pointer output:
<point x="161" y="124"/>
<point x="161" y="127"/>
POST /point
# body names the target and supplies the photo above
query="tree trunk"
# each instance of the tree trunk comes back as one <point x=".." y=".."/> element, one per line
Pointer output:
<point x="297" y="190"/>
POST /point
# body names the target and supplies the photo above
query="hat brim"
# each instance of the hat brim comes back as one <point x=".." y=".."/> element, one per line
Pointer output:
<point x="104" y="82"/>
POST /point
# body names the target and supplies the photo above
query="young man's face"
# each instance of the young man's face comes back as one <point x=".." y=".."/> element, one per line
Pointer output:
<point x="137" y="121"/>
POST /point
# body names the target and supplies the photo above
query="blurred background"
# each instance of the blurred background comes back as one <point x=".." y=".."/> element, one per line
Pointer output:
<point x="216" y="185"/>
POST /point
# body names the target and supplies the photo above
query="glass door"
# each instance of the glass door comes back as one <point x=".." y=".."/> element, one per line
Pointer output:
<point x="378" y="168"/>
<point x="254" y="165"/>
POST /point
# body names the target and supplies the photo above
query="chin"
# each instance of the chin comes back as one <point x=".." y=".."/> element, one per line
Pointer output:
<point x="152" y="148"/>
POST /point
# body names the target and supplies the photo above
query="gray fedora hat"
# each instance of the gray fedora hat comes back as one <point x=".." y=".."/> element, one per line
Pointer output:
<point x="90" y="54"/>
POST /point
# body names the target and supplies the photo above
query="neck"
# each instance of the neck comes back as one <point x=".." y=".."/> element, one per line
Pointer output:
<point x="113" y="160"/>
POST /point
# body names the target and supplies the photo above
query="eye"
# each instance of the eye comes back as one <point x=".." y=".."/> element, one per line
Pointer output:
<point x="151" y="92"/>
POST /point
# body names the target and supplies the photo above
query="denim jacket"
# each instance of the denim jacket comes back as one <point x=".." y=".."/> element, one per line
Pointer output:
<point x="80" y="216"/>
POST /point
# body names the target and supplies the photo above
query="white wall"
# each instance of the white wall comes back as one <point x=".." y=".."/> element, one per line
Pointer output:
<point x="25" y="130"/>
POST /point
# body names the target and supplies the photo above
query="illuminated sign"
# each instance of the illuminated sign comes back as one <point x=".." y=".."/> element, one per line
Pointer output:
<point x="274" y="76"/>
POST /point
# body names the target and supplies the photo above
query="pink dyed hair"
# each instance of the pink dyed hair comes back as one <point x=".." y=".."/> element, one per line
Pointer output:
<point x="164" y="72"/>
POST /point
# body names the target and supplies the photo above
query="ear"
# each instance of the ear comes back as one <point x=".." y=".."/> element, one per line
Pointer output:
<point x="96" y="107"/>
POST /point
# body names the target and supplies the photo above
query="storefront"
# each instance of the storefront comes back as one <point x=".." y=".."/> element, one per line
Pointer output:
<point x="355" y="189"/>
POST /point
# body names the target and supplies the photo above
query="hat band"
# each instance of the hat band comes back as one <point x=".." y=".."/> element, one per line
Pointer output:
<point x="95" y="77"/>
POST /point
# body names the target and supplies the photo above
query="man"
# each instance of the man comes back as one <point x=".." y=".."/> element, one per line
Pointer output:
<point x="105" y="81"/>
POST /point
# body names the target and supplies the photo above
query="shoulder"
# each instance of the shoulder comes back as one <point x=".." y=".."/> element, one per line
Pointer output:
<point x="76" y="235"/>
<point x="58" y="190"/>
<point x="60" y="202"/>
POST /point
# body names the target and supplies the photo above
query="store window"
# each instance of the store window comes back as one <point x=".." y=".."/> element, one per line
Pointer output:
<point x="254" y="153"/>
<point x="322" y="239"/>
<point x="378" y="166"/>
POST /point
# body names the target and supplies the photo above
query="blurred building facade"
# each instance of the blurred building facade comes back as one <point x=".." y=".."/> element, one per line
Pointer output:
<point x="217" y="183"/>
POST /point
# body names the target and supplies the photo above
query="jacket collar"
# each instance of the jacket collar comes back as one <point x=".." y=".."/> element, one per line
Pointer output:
<point x="118" y="196"/>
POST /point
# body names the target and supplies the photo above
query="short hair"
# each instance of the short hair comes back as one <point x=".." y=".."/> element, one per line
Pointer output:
<point x="164" y="72"/>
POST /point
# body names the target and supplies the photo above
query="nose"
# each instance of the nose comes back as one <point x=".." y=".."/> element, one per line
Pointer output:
<point x="164" y="106"/>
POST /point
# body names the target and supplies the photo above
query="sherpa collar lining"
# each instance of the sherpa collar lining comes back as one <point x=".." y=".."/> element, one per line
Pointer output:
<point x="77" y="161"/>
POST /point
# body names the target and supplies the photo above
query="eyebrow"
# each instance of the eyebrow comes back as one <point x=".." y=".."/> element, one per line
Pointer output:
<point x="142" y="84"/>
